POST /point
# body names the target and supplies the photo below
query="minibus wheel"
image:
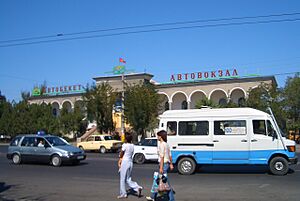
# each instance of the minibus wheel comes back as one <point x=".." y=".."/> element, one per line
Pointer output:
<point x="186" y="166"/>
<point x="279" y="166"/>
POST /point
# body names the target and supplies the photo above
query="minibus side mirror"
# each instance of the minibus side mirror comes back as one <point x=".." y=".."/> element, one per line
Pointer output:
<point x="274" y="135"/>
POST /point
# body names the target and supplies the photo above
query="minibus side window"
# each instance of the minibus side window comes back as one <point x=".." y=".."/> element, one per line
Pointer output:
<point x="270" y="129"/>
<point x="259" y="127"/>
<point x="193" y="128"/>
<point x="171" y="127"/>
<point x="230" y="127"/>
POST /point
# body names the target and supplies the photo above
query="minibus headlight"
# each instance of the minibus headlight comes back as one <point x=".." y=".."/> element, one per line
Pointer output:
<point x="291" y="148"/>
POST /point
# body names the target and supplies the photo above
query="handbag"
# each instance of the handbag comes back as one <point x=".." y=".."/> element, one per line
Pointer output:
<point x="163" y="185"/>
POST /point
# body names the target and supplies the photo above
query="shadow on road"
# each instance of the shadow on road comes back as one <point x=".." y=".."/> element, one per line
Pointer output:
<point x="233" y="169"/>
<point x="4" y="187"/>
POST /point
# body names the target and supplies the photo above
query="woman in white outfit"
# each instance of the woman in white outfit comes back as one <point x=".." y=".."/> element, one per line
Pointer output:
<point x="125" y="168"/>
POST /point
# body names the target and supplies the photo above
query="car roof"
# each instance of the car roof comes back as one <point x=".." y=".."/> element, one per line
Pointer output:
<point x="99" y="135"/>
<point x="35" y="135"/>
<point x="151" y="138"/>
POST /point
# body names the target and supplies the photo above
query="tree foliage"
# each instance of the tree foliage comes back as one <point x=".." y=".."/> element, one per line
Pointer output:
<point x="25" y="118"/>
<point x="205" y="102"/>
<point x="264" y="96"/>
<point x="99" y="101"/>
<point x="141" y="107"/>
<point x="291" y="102"/>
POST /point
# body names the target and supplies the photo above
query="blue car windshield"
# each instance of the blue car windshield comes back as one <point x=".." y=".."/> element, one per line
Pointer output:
<point x="56" y="141"/>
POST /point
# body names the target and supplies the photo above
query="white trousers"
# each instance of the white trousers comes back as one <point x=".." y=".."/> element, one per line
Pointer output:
<point x="125" y="177"/>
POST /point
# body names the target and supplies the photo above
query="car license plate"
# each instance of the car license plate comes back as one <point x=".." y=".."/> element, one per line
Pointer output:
<point x="80" y="157"/>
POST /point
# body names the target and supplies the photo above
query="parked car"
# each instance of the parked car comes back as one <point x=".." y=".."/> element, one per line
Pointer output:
<point x="5" y="138"/>
<point x="43" y="148"/>
<point x="101" y="143"/>
<point x="146" y="150"/>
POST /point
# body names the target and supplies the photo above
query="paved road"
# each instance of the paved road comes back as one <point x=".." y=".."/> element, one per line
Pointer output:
<point x="97" y="179"/>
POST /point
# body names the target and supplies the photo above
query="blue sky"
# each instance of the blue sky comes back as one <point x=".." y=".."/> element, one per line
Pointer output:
<point x="265" y="49"/>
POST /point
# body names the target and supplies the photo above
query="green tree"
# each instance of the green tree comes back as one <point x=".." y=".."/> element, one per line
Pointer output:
<point x="72" y="121"/>
<point x="205" y="102"/>
<point x="79" y="122"/>
<point x="6" y="118"/>
<point x="291" y="96"/>
<point x="141" y="107"/>
<point x="99" y="101"/>
<point x="264" y="96"/>
<point x="66" y="120"/>
<point x="43" y="119"/>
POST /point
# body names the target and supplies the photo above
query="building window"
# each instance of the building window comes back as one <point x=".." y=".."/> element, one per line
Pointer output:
<point x="167" y="106"/>
<point x="54" y="112"/>
<point x="184" y="105"/>
<point x="222" y="101"/>
<point x="241" y="102"/>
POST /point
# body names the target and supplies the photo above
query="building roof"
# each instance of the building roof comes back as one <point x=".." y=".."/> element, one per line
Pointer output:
<point x="126" y="77"/>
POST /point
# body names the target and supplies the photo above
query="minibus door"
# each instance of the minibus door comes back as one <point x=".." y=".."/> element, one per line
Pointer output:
<point x="230" y="142"/>
<point x="263" y="142"/>
<point x="193" y="140"/>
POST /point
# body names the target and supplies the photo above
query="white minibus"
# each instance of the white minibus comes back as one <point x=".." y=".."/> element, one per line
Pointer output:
<point x="226" y="136"/>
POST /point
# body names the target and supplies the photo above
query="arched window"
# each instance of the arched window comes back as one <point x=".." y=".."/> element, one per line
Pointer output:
<point x="54" y="112"/>
<point x="167" y="106"/>
<point x="241" y="102"/>
<point x="184" y="105"/>
<point x="222" y="101"/>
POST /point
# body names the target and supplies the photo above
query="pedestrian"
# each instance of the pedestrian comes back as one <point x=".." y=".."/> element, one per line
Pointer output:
<point x="165" y="161"/>
<point x="125" y="168"/>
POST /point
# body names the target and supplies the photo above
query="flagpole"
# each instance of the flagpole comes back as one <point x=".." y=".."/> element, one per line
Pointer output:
<point x="122" y="110"/>
<point x="122" y="105"/>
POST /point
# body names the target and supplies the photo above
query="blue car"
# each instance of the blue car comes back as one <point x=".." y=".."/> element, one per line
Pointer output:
<point x="43" y="148"/>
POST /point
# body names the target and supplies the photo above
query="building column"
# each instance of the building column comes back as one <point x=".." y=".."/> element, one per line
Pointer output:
<point x="170" y="105"/>
<point x="189" y="105"/>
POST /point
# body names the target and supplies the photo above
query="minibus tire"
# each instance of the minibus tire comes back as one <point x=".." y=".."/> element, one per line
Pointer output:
<point x="279" y="166"/>
<point x="186" y="166"/>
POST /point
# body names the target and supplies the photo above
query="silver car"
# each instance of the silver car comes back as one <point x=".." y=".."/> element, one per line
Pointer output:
<point x="46" y="148"/>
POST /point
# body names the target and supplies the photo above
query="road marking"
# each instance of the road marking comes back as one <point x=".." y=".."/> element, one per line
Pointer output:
<point x="264" y="185"/>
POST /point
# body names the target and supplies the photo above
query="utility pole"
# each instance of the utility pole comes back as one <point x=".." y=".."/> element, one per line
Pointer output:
<point x="122" y="109"/>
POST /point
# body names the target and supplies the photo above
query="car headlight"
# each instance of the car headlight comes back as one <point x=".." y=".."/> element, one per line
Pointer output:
<point x="70" y="153"/>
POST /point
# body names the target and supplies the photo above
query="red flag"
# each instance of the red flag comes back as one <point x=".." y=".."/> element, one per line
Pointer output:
<point x="122" y="60"/>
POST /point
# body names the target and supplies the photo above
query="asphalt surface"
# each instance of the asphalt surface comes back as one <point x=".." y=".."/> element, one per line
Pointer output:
<point x="97" y="178"/>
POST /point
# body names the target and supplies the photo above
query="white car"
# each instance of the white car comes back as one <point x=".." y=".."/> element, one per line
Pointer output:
<point x="145" y="150"/>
